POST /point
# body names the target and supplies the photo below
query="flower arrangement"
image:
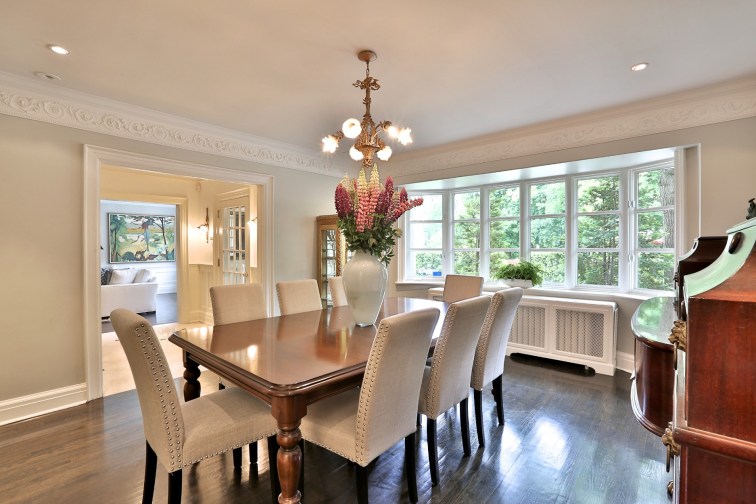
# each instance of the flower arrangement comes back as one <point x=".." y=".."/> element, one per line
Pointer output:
<point x="367" y="212"/>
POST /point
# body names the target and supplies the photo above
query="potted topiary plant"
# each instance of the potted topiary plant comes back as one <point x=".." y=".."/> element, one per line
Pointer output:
<point x="520" y="274"/>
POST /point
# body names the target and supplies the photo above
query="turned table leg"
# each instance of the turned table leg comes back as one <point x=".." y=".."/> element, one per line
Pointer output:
<point x="192" y="386"/>
<point x="288" y="412"/>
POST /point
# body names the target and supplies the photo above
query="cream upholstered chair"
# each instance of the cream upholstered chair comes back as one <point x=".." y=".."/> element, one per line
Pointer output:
<point x="446" y="382"/>
<point x="238" y="303"/>
<point x="181" y="434"/>
<point x="338" y="294"/>
<point x="459" y="287"/>
<point x="298" y="296"/>
<point x="488" y="365"/>
<point x="364" y="422"/>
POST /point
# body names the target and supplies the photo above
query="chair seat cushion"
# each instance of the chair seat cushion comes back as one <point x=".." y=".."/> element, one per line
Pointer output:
<point x="332" y="424"/>
<point x="224" y="419"/>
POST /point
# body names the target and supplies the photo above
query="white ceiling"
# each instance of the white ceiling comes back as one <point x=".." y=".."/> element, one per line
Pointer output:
<point x="450" y="70"/>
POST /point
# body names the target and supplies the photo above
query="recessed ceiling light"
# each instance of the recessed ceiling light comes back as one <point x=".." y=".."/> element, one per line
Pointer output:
<point x="58" y="49"/>
<point x="47" y="76"/>
<point x="638" y="67"/>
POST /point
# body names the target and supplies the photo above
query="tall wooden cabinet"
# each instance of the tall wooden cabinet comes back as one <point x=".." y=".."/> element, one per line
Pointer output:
<point x="331" y="254"/>
<point x="713" y="433"/>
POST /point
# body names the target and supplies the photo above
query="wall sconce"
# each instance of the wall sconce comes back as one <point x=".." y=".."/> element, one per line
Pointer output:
<point x="206" y="225"/>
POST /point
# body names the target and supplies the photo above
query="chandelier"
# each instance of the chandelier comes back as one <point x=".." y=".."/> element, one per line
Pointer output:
<point x="368" y="142"/>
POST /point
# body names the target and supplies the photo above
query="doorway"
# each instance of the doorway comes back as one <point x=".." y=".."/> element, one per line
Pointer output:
<point x="97" y="159"/>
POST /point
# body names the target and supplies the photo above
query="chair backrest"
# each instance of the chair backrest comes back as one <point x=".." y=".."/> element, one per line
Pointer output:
<point x="494" y="336"/>
<point x="237" y="303"/>
<point x="158" y="397"/>
<point x="338" y="294"/>
<point x="459" y="287"/>
<point x="298" y="296"/>
<point x="451" y="367"/>
<point x="388" y="396"/>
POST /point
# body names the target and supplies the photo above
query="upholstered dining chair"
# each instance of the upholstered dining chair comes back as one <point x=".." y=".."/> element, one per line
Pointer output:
<point x="338" y="294"/>
<point x="364" y="422"/>
<point x="297" y="296"/>
<point x="181" y="434"/>
<point x="238" y="303"/>
<point x="488" y="365"/>
<point x="459" y="287"/>
<point x="446" y="382"/>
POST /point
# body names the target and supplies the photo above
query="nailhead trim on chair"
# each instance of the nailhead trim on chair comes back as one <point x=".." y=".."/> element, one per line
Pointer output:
<point x="368" y="384"/>
<point x="438" y="352"/>
<point x="485" y="335"/>
<point x="173" y="433"/>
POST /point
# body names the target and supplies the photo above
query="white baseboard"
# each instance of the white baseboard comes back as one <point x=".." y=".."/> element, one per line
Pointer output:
<point x="201" y="316"/>
<point x="21" y="408"/>
<point x="626" y="362"/>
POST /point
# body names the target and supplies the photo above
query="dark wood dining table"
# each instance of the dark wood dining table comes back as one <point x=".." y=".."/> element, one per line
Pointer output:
<point x="289" y="361"/>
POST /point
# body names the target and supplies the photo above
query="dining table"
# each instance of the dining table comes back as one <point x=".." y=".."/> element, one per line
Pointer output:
<point x="290" y="361"/>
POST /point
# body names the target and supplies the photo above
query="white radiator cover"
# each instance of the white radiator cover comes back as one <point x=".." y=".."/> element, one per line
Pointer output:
<point x="570" y="330"/>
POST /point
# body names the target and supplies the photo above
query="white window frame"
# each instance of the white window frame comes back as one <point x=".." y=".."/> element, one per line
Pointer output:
<point x="454" y="221"/>
<point x="486" y="226"/>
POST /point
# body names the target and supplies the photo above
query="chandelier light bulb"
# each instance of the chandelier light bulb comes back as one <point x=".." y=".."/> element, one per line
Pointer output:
<point x="393" y="131"/>
<point x="355" y="154"/>
<point x="351" y="128"/>
<point x="404" y="136"/>
<point x="330" y="144"/>
<point x="384" y="154"/>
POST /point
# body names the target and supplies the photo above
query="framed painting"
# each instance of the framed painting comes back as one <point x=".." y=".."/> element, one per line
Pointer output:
<point x="141" y="238"/>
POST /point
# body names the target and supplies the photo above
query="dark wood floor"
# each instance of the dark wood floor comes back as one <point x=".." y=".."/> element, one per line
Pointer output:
<point x="568" y="439"/>
<point x="166" y="312"/>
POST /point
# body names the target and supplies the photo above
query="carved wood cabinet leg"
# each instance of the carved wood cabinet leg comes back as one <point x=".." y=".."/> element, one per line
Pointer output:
<point x="192" y="386"/>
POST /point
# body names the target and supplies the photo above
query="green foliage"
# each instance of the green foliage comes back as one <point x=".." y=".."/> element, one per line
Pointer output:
<point x="378" y="240"/>
<point x="523" y="270"/>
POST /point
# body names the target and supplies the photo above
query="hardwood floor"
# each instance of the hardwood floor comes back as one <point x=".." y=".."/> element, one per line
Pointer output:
<point x="568" y="439"/>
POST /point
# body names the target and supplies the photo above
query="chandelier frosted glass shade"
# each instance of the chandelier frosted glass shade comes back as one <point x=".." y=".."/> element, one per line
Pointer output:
<point x="368" y="143"/>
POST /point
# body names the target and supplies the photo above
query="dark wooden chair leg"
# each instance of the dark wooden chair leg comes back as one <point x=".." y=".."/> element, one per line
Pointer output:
<point x="499" y="399"/>
<point x="464" y="421"/>
<point x="150" y="468"/>
<point x="362" y="485"/>
<point x="237" y="457"/>
<point x="253" y="454"/>
<point x="409" y="465"/>
<point x="419" y="420"/>
<point x="432" y="451"/>
<point x="174" y="487"/>
<point x="275" y="484"/>
<point x="478" y="402"/>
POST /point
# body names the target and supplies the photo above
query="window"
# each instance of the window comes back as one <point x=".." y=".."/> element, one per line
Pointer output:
<point x="425" y="251"/>
<point x="654" y="222"/>
<point x="503" y="227"/>
<point x="466" y="249"/>
<point x="606" y="230"/>
<point x="598" y="230"/>
<point x="548" y="231"/>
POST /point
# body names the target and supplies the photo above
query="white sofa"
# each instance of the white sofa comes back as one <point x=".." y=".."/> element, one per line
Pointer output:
<point x="132" y="288"/>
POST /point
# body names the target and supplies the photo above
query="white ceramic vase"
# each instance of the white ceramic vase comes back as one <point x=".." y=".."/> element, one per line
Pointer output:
<point x="365" y="278"/>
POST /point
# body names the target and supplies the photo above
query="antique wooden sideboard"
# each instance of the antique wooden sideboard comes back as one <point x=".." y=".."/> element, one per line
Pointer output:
<point x="712" y="436"/>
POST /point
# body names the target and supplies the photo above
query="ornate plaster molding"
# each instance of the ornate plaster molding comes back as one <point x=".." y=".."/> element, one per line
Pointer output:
<point x="25" y="98"/>
<point x="704" y="106"/>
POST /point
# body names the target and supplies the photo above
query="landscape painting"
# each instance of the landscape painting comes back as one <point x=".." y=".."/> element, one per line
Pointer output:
<point x="141" y="238"/>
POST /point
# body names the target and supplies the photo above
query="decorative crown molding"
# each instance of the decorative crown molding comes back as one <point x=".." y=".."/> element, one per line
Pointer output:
<point x="713" y="104"/>
<point x="26" y="98"/>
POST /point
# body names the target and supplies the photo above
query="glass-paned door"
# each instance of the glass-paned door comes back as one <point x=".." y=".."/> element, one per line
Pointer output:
<point x="233" y="256"/>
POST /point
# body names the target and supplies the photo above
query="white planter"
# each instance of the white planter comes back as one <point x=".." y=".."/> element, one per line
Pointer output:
<point x="513" y="282"/>
<point x="365" y="279"/>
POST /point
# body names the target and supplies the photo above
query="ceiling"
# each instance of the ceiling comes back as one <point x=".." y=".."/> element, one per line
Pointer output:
<point x="452" y="71"/>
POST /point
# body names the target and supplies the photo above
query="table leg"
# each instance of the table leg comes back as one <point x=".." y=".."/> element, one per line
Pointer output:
<point x="192" y="386"/>
<point x="288" y="412"/>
